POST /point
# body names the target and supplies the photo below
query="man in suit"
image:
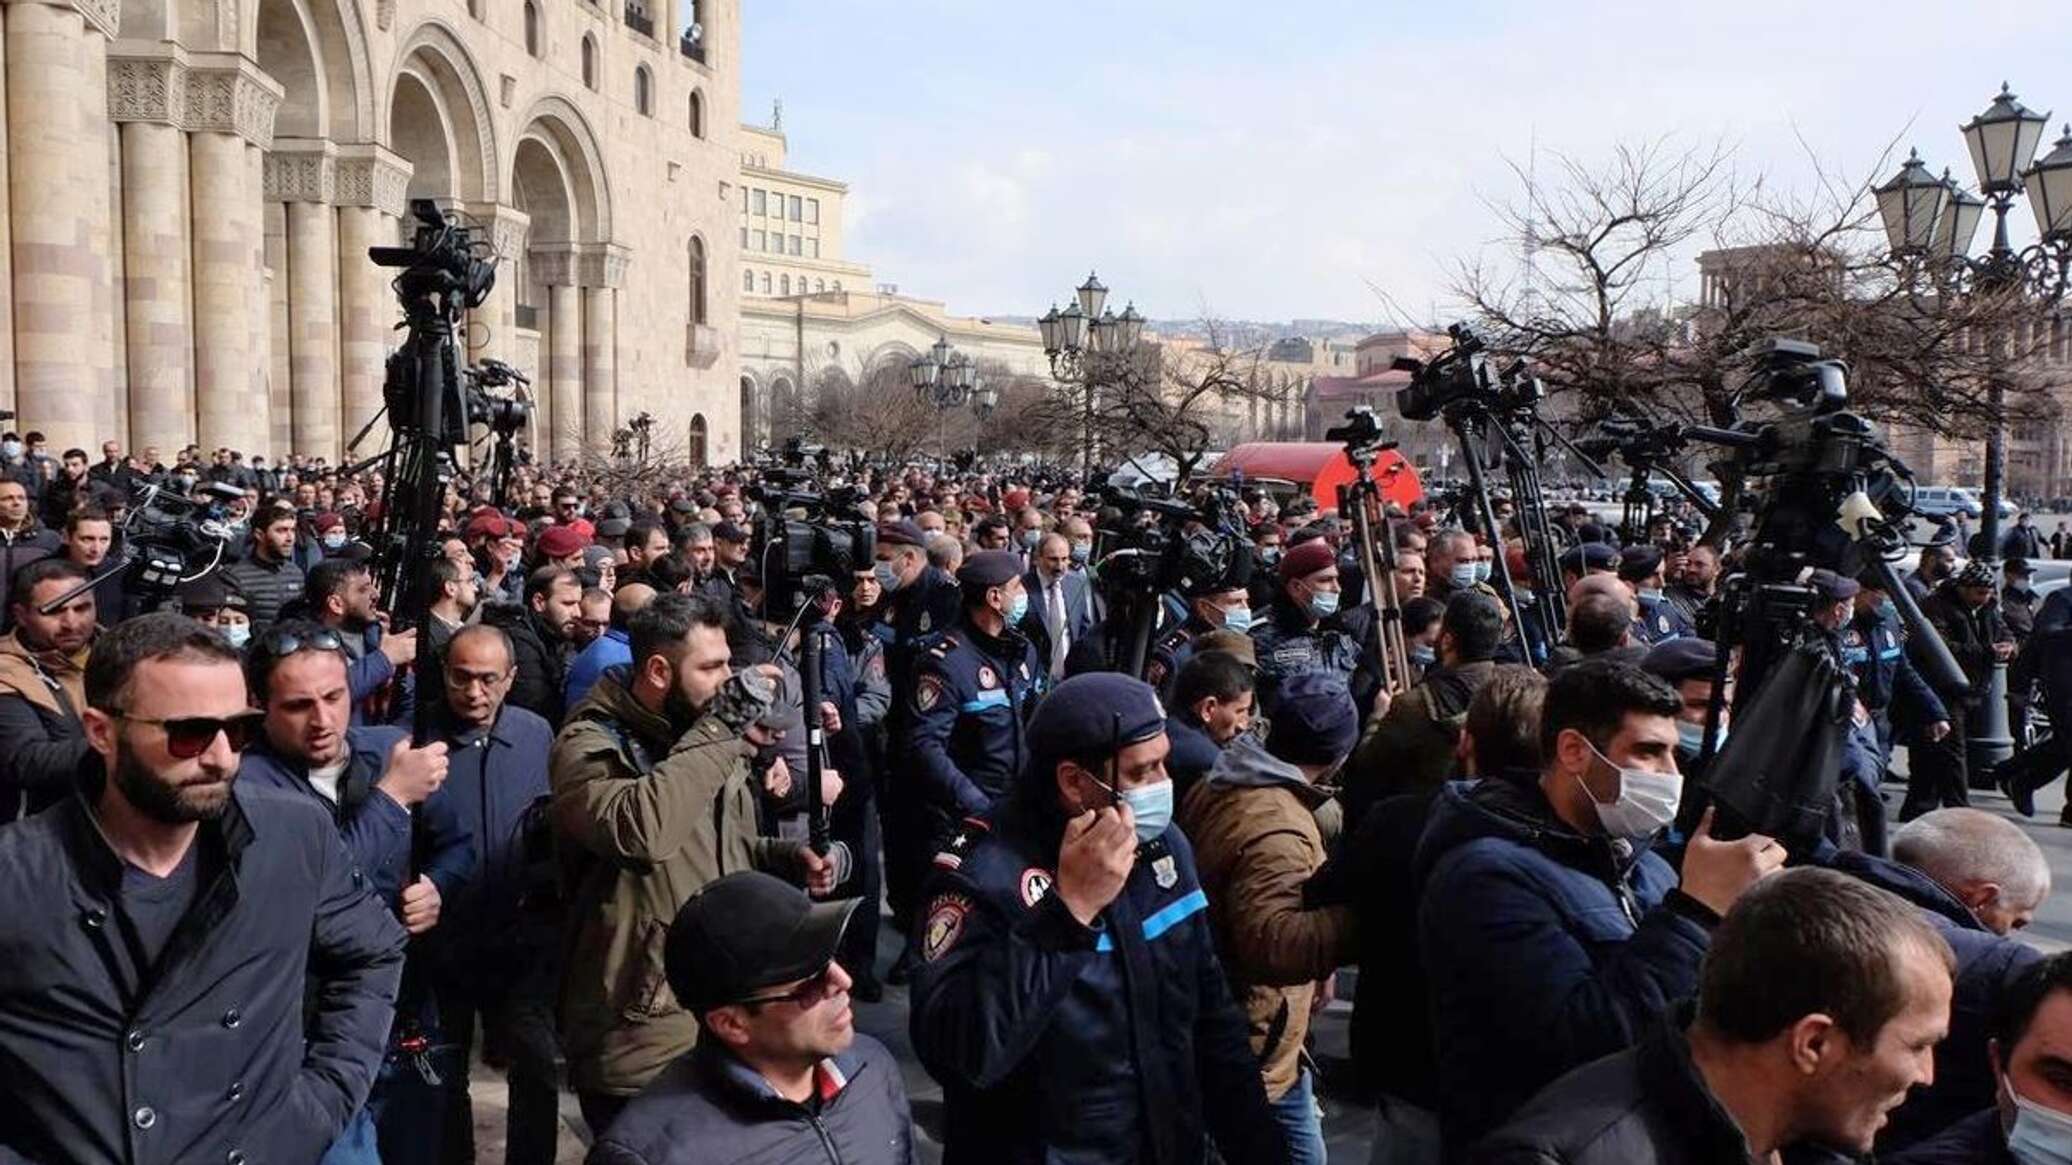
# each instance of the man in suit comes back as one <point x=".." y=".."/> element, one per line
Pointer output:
<point x="1061" y="611"/>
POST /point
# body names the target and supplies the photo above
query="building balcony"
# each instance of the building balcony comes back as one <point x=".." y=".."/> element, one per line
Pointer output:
<point x="638" y="20"/>
<point x="692" y="47"/>
<point x="701" y="345"/>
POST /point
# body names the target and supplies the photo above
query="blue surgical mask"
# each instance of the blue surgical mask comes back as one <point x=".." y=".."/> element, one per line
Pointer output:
<point x="1463" y="576"/>
<point x="1423" y="656"/>
<point x="1081" y="551"/>
<point x="236" y="634"/>
<point x="10" y="449"/>
<point x="1269" y="554"/>
<point x="1888" y="610"/>
<point x="1018" y="608"/>
<point x="334" y="540"/>
<point x="1482" y="570"/>
<point x="1323" y="604"/>
<point x="888" y="578"/>
<point x="1237" y="619"/>
<point x="1151" y="806"/>
<point x="1690" y="738"/>
<point x="2040" y="1136"/>
<point x="1030" y="538"/>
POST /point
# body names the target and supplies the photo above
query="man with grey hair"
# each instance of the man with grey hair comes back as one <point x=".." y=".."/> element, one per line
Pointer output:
<point x="1984" y="860"/>
<point x="945" y="553"/>
<point x="1976" y="878"/>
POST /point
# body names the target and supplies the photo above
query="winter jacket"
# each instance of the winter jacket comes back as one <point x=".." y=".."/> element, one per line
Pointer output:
<point x="1254" y="829"/>
<point x="266" y="585"/>
<point x="496" y="785"/>
<point x="1646" y="1105"/>
<point x="2050" y="647"/>
<point x="1411" y="749"/>
<point x="1057" y="1042"/>
<point x="709" y="1106"/>
<point x="1193" y="753"/>
<point x="540" y="657"/>
<point x="1970" y="633"/>
<point x="212" y="1062"/>
<point x="608" y="650"/>
<point x="1975" y="1140"/>
<point x="376" y="828"/>
<point x="19" y="548"/>
<point x="1545" y="948"/>
<point x="42" y="741"/>
<point x="653" y="814"/>
<point x="1987" y="967"/>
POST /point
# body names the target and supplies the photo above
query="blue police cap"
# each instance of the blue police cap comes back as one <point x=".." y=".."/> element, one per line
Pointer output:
<point x="1832" y="587"/>
<point x="902" y="532"/>
<point x="1588" y="556"/>
<point x="1638" y="562"/>
<point x="1090" y="715"/>
<point x="1314" y="719"/>
<point x="988" y="569"/>
<point x="1684" y="658"/>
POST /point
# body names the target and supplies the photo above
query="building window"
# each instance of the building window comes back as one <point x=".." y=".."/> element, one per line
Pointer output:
<point x="759" y="245"/>
<point x="795" y="244"/>
<point x="784" y="285"/>
<point x="819" y="285"/>
<point x="697" y="114"/>
<point x="697" y="280"/>
<point x="697" y="450"/>
<point x="813" y="211"/>
<point x="589" y="61"/>
<point x="758" y="203"/>
<point x="796" y="204"/>
<point x="532" y="28"/>
<point x="766" y="283"/>
<point x="748" y="281"/>
<point x="838" y="285"/>
<point x="812" y="248"/>
<point x="643" y="91"/>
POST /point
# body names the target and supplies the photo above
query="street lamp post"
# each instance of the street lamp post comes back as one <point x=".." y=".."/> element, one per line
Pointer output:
<point x="1929" y="225"/>
<point x="1083" y="342"/>
<point x="946" y="379"/>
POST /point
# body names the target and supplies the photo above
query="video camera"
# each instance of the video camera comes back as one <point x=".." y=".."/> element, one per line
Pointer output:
<point x="444" y="272"/>
<point x="806" y="555"/>
<point x="502" y="415"/>
<point x="166" y="535"/>
<point x="1460" y="378"/>
<point x="1163" y="544"/>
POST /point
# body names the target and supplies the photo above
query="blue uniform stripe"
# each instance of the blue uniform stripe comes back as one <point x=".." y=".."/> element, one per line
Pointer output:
<point x="1164" y="918"/>
<point x="993" y="699"/>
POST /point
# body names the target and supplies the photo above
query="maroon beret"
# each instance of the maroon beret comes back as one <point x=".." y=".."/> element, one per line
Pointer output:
<point x="561" y="541"/>
<point x="1307" y="559"/>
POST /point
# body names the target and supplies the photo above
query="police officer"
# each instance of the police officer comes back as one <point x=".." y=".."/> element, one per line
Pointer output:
<point x="1655" y="618"/>
<point x="1859" y="821"/>
<point x="1069" y="998"/>
<point x="1221" y="603"/>
<point x="1586" y="558"/>
<point x="919" y="601"/>
<point x="1874" y="650"/>
<point x="1295" y="636"/>
<point x="973" y="686"/>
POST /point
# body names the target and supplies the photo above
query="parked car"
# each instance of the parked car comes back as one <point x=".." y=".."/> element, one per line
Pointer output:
<point x="1949" y="501"/>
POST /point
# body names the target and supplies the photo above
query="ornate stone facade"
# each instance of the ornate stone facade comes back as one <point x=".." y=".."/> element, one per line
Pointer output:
<point x="191" y="187"/>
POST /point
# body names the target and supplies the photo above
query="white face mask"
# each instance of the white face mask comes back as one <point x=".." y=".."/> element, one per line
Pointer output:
<point x="2040" y="1136"/>
<point x="1646" y="805"/>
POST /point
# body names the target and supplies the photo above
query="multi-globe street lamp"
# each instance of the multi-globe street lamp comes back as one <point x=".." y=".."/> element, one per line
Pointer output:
<point x="946" y="379"/>
<point x="1083" y="342"/>
<point x="1929" y="225"/>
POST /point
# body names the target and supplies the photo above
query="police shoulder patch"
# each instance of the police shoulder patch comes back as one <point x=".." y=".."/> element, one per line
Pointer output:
<point x="1036" y="882"/>
<point x="927" y="692"/>
<point x="945" y="923"/>
<point x="986" y="678"/>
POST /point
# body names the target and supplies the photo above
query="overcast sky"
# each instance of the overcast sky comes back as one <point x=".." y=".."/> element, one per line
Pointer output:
<point x="1269" y="160"/>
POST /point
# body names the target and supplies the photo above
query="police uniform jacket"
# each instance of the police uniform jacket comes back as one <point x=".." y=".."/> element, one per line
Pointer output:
<point x="1287" y="643"/>
<point x="1874" y="650"/>
<point x="1056" y="1042"/>
<point x="971" y="698"/>
<point x="1171" y="653"/>
<point x="1659" y="620"/>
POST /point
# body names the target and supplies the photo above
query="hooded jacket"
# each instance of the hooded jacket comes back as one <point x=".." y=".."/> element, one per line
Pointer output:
<point x="655" y="813"/>
<point x="1545" y="948"/>
<point x="1253" y="824"/>
<point x="42" y="741"/>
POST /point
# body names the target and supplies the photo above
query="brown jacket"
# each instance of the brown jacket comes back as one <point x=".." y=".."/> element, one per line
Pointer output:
<point x="643" y="843"/>
<point x="1255" y="843"/>
<point x="1411" y="748"/>
<point x="29" y="674"/>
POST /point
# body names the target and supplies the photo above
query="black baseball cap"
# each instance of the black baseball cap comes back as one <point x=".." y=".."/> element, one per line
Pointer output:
<point x="748" y="932"/>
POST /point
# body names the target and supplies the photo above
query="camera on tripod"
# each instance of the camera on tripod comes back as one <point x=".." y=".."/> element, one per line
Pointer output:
<point x="1460" y="378"/>
<point x="806" y="554"/>
<point x="1163" y="544"/>
<point x="444" y="272"/>
<point x="502" y="415"/>
<point x="167" y="536"/>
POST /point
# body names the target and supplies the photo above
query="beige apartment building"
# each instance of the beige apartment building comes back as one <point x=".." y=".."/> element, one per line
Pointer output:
<point x="192" y="185"/>
<point x="791" y="224"/>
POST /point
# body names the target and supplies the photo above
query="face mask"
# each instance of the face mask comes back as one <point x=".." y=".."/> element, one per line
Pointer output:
<point x="1690" y="738"/>
<point x="1237" y="619"/>
<point x="1081" y="551"/>
<point x="1646" y="805"/>
<point x="1323" y="604"/>
<point x="1463" y="575"/>
<point x="1018" y="608"/>
<point x="1151" y="806"/>
<point x="1423" y="656"/>
<point x="1888" y="610"/>
<point x="236" y="634"/>
<point x="334" y="540"/>
<point x="1482" y="570"/>
<point x="2040" y="1136"/>
<point x="888" y="578"/>
<point x="1651" y="596"/>
<point x="10" y="449"/>
<point x="1269" y="554"/>
<point x="1030" y="538"/>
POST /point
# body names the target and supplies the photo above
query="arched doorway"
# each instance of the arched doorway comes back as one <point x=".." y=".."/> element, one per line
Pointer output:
<point x="695" y="449"/>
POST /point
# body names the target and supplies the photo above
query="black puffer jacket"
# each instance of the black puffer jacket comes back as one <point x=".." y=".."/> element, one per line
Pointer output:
<point x="266" y="586"/>
<point x="541" y="658"/>
<point x="708" y="1106"/>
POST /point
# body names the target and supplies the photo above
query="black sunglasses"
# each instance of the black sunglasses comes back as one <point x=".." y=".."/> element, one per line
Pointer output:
<point x="807" y="994"/>
<point x="187" y="737"/>
<point x="281" y="643"/>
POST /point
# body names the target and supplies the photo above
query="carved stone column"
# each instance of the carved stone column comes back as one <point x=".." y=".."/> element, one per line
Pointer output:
<point x="229" y="109"/>
<point x="561" y="388"/>
<point x="368" y="186"/>
<point x="602" y="271"/>
<point x="303" y="174"/>
<point x="493" y="326"/>
<point x="147" y="99"/>
<point x="57" y="183"/>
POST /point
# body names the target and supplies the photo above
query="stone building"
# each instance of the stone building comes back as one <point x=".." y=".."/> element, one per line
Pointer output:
<point x="791" y="223"/>
<point x="191" y="188"/>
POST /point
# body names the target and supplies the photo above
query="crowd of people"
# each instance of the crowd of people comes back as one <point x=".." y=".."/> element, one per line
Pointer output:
<point x="286" y="871"/>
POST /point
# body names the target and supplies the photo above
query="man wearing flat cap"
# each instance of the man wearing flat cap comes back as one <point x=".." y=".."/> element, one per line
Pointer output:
<point x="1963" y="612"/>
<point x="974" y="686"/>
<point x="1585" y="558"/>
<point x="1069" y="997"/>
<point x="1298" y="633"/>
